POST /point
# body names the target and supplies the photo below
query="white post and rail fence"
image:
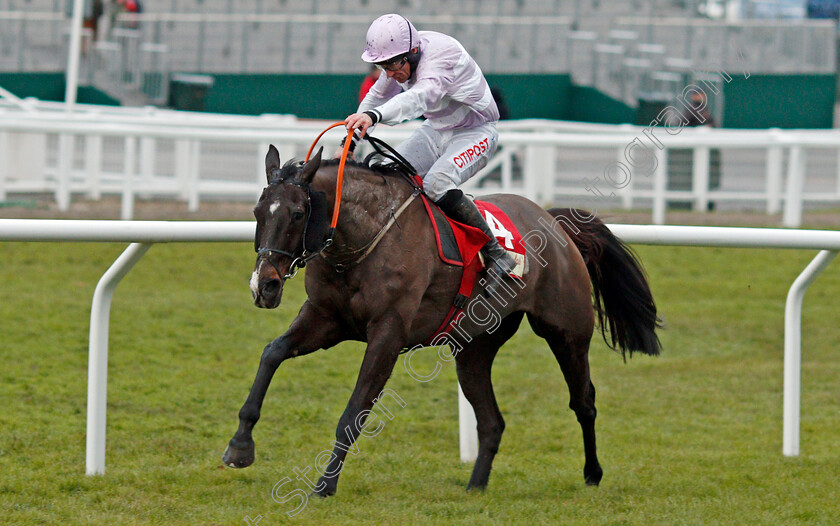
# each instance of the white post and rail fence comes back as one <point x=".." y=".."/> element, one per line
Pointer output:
<point x="143" y="234"/>
<point x="180" y="155"/>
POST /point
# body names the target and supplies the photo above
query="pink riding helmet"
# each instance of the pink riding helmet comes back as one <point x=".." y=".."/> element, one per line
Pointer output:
<point x="389" y="36"/>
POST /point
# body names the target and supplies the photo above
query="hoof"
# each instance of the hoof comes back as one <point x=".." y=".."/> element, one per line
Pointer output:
<point x="239" y="455"/>
<point x="322" y="494"/>
<point x="478" y="483"/>
<point x="327" y="488"/>
<point x="593" y="476"/>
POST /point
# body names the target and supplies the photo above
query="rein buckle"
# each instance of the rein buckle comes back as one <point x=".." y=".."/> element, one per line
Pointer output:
<point x="293" y="268"/>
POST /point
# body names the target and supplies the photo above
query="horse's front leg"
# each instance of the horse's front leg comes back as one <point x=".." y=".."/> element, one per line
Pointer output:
<point x="308" y="332"/>
<point x="383" y="350"/>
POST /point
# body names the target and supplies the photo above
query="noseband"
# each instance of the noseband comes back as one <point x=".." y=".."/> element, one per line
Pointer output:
<point x="298" y="261"/>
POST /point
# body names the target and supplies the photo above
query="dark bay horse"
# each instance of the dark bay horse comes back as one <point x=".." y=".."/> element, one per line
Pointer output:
<point x="386" y="286"/>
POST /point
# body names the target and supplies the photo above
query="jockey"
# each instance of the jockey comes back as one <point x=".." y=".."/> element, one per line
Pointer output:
<point x="431" y="74"/>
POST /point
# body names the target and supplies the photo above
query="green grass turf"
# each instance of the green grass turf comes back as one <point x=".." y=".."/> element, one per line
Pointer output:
<point x="691" y="437"/>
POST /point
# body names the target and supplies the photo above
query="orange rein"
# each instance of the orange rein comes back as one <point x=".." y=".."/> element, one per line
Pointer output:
<point x="340" y="181"/>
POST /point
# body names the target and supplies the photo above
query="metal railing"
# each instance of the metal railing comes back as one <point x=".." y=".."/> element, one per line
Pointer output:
<point x="241" y="43"/>
<point x="33" y="41"/>
<point x="761" y="46"/>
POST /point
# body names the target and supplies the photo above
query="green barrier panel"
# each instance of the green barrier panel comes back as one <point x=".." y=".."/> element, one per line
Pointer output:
<point x="51" y="87"/>
<point x="590" y="105"/>
<point x="534" y="96"/>
<point x="91" y="95"/>
<point x="307" y="96"/>
<point x="780" y="101"/>
<point x="42" y="86"/>
<point x="336" y="96"/>
<point x="760" y="101"/>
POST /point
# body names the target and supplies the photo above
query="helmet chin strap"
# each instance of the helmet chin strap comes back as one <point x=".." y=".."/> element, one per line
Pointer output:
<point x="413" y="59"/>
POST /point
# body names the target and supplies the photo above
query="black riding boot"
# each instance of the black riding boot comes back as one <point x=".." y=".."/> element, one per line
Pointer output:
<point x="498" y="262"/>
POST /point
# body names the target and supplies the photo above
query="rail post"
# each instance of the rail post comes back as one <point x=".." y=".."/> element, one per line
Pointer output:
<point x="100" y="314"/>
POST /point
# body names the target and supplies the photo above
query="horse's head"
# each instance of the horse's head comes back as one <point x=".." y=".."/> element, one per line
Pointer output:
<point x="291" y="224"/>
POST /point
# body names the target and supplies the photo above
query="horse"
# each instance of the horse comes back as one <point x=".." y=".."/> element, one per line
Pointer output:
<point x="386" y="285"/>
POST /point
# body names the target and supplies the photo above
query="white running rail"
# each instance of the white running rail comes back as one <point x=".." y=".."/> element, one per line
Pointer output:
<point x="177" y="155"/>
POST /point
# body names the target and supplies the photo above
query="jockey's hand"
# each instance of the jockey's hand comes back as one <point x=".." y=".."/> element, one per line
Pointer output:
<point x="358" y="121"/>
<point x="340" y="150"/>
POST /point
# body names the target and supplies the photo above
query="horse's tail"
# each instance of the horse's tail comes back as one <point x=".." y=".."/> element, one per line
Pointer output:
<point x="622" y="298"/>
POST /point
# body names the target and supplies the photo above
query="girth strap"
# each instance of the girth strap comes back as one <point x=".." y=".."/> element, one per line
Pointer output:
<point x="459" y="303"/>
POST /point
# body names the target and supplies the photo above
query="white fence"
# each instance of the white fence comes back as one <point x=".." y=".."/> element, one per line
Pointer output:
<point x="142" y="234"/>
<point x="189" y="156"/>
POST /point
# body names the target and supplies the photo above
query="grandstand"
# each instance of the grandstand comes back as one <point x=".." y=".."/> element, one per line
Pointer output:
<point x="628" y="50"/>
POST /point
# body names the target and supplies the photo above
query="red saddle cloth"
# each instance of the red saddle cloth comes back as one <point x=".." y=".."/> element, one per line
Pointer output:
<point x="506" y="233"/>
<point x="459" y="244"/>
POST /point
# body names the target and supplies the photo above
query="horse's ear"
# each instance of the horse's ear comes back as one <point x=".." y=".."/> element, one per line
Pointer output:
<point x="308" y="172"/>
<point x="272" y="164"/>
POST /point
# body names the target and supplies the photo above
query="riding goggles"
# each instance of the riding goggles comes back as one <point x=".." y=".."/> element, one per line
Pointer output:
<point x="394" y="64"/>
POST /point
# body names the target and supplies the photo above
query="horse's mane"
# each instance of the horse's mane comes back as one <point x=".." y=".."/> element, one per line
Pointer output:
<point x="379" y="168"/>
<point x="293" y="166"/>
<point x="289" y="170"/>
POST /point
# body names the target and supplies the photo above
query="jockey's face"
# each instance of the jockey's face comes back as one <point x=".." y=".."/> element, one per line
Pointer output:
<point x="400" y="75"/>
<point x="399" y="70"/>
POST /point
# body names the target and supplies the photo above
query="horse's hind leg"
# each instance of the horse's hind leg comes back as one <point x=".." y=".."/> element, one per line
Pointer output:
<point x="572" y="353"/>
<point x="474" y="363"/>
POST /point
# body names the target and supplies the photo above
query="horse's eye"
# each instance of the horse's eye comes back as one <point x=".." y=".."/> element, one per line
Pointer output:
<point x="297" y="216"/>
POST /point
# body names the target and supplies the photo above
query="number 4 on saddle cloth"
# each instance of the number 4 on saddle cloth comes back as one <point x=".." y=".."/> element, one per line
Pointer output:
<point x="507" y="234"/>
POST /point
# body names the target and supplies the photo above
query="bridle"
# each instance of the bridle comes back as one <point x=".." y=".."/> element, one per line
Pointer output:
<point x="299" y="261"/>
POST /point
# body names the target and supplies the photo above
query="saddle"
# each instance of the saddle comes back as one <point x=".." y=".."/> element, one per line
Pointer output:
<point x="460" y="245"/>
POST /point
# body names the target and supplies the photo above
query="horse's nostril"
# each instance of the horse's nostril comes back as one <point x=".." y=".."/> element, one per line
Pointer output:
<point x="270" y="287"/>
